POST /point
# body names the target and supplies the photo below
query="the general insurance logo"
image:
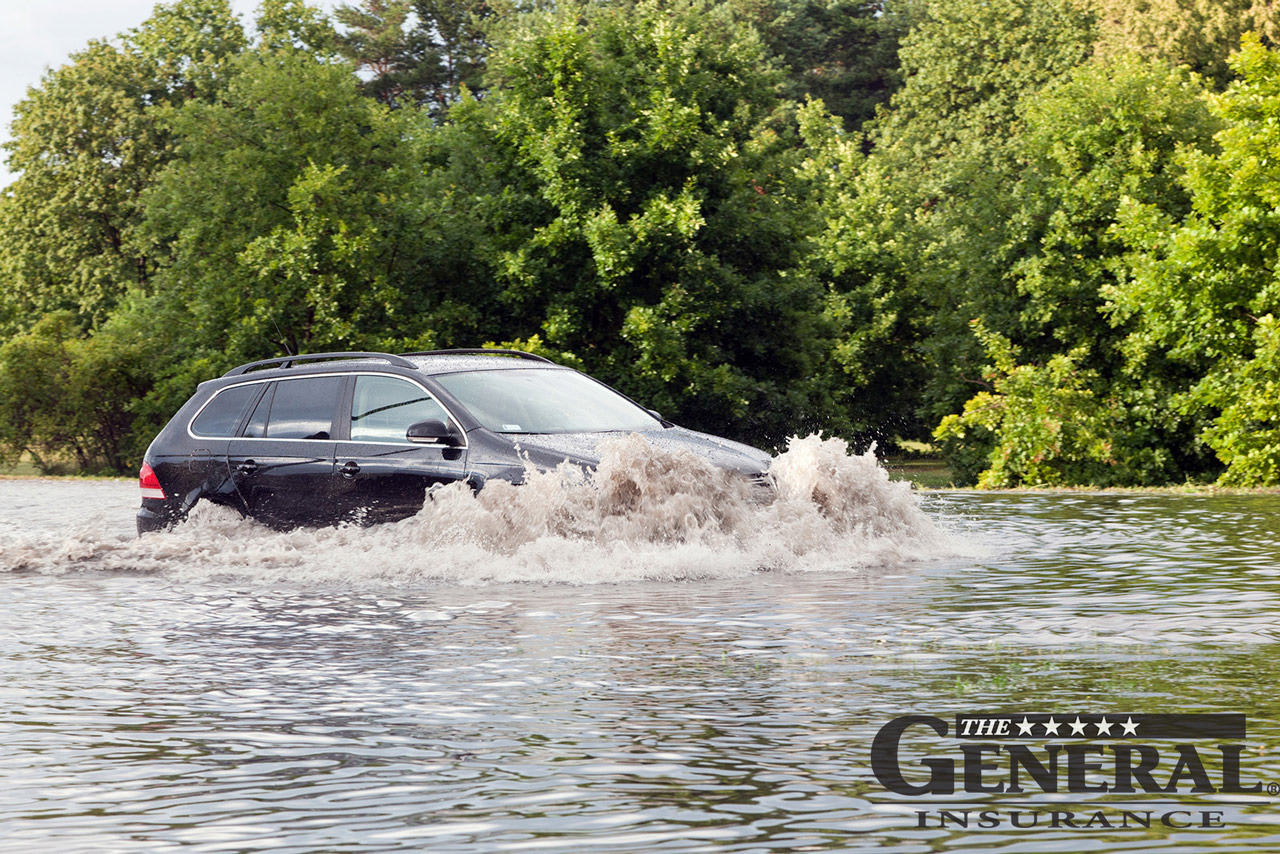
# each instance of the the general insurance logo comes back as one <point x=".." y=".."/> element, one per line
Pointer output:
<point x="1012" y="760"/>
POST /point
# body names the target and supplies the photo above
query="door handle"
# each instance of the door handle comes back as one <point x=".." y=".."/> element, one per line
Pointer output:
<point x="349" y="469"/>
<point x="247" y="467"/>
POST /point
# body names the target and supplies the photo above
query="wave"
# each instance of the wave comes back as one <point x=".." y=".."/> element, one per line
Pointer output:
<point x="644" y="514"/>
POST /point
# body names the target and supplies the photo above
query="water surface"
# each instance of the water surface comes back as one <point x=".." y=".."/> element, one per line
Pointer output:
<point x="229" y="689"/>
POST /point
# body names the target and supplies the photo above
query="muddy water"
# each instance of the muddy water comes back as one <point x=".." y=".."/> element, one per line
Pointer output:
<point x="655" y="661"/>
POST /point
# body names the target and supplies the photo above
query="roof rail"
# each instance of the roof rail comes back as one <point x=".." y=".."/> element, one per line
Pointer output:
<point x="482" y="351"/>
<point x="288" y="361"/>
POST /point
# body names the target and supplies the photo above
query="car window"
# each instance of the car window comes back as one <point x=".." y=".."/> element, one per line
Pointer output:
<point x="382" y="409"/>
<point x="300" y="409"/>
<point x="221" y="415"/>
<point x="535" y="400"/>
<point x="257" y="426"/>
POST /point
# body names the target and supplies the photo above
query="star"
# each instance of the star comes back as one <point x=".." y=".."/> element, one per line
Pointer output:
<point x="1051" y="726"/>
<point x="1130" y="728"/>
<point x="1024" y="728"/>
<point x="1077" y="728"/>
<point x="1104" y="726"/>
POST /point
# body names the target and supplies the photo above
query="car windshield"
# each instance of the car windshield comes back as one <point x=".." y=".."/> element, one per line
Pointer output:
<point x="533" y="400"/>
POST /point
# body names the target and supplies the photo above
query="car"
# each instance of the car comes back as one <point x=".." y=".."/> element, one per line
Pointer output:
<point x="363" y="437"/>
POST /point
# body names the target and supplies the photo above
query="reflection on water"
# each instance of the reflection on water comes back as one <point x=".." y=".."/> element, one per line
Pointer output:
<point x="143" y="712"/>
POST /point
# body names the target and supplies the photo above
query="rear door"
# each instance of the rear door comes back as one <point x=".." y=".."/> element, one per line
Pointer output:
<point x="212" y="430"/>
<point x="380" y="476"/>
<point x="282" y="464"/>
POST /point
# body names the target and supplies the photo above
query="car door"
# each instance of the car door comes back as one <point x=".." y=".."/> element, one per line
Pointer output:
<point x="380" y="476"/>
<point x="282" y="463"/>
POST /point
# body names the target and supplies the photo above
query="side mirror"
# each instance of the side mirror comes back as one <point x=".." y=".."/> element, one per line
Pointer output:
<point x="432" y="432"/>
<point x="664" y="422"/>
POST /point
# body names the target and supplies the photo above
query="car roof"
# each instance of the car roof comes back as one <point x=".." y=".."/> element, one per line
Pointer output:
<point x="445" y="364"/>
<point x="430" y="362"/>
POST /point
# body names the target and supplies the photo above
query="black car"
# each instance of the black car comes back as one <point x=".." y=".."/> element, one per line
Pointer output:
<point x="362" y="437"/>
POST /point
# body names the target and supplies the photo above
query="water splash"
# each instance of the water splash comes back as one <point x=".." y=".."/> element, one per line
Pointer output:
<point x="644" y="514"/>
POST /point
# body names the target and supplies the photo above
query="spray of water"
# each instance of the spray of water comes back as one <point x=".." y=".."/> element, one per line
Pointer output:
<point x="643" y="514"/>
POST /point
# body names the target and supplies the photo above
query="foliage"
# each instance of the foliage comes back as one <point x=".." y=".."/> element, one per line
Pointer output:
<point x="421" y="52"/>
<point x="841" y="52"/>
<point x="86" y="142"/>
<point x="62" y="395"/>
<point x="1044" y="424"/>
<point x="931" y="212"/>
<point x="1197" y="34"/>
<point x="1203" y="288"/>
<point x="856" y="254"/>
<point x="290" y="214"/>
<point x="1246" y="435"/>
<point x="668" y="237"/>
<point x="293" y="25"/>
<point x="688" y="198"/>
<point x="1106" y="132"/>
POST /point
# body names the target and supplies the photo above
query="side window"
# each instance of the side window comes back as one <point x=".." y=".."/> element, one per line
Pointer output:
<point x="257" y="426"/>
<point x="300" y="409"/>
<point x="383" y="408"/>
<point x="220" y="416"/>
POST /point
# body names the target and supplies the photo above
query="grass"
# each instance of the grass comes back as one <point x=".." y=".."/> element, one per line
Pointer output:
<point x="922" y="472"/>
<point x="25" y="468"/>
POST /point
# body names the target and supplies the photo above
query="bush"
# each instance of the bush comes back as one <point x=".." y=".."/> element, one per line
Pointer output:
<point x="67" y="398"/>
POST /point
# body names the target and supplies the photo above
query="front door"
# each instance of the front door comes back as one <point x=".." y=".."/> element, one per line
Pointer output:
<point x="379" y="475"/>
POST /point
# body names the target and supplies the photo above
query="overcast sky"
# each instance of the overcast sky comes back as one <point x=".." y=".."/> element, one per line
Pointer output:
<point x="36" y="35"/>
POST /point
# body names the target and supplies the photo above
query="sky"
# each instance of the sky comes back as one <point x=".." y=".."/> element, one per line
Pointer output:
<point x="36" y="35"/>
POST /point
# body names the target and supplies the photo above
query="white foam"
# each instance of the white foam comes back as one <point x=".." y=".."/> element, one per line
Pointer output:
<point x="644" y="514"/>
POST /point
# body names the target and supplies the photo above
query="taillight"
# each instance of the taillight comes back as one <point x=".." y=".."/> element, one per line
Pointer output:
<point x="150" y="484"/>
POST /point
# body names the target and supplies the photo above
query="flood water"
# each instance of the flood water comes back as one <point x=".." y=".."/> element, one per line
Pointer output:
<point x="564" y="681"/>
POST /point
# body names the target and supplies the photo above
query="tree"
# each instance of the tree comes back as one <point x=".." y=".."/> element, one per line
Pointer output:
<point x="1106" y="133"/>
<point x="86" y="143"/>
<point x="296" y="217"/>
<point x="293" y="25"/>
<point x="841" y="52"/>
<point x="936" y="186"/>
<point x="376" y="38"/>
<point x="1198" y="34"/>
<point x="68" y="400"/>
<point x="1204" y="291"/>
<point x="877" y="323"/>
<point x="1043" y="423"/>
<point x="420" y="52"/>
<point x="661" y="240"/>
<point x="457" y="32"/>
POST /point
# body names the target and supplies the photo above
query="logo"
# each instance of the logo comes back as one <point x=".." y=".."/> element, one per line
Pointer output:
<point x="1085" y="755"/>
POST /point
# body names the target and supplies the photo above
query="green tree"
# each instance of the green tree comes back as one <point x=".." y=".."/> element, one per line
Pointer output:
<point x="662" y="246"/>
<point x="67" y="400"/>
<point x="457" y="32"/>
<point x="1107" y="132"/>
<point x="86" y="143"/>
<point x="1203" y="290"/>
<point x="1043" y="423"/>
<point x="421" y="52"/>
<point x="841" y="52"/>
<point x="877" y="323"/>
<point x="296" y="216"/>
<point x="1198" y="34"/>
<point x="293" y="25"/>
<point x="377" y="39"/>
<point x="934" y="194"/>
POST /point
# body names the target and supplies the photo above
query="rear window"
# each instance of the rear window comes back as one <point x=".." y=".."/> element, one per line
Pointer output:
<point x="220" y="416"/>
<point x="303" y="408"/>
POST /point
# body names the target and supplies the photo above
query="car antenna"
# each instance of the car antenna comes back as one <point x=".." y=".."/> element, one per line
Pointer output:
<point x="283" y="339"/>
